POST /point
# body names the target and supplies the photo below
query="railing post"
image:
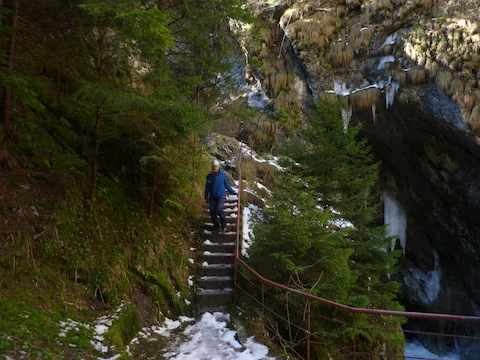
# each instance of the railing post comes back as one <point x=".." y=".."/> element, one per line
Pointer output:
<point x="308" y="329"/>
<point x="354" y="337"/>
<point x="263" y="305"/>
<point x="235" y="269"/>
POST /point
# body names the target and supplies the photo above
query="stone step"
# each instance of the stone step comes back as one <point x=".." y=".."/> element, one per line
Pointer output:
<point x="219" y="247"/>
<point x="214" y="300"/>
<point x="215" y="282"/>
<point x="230" y="221"/>
<point x="209" y="225"/>
<point x="216" y="270"/>
<point x="228" y="210"/>
<point x="217" y="258"/>
<point x="229" y="236"/>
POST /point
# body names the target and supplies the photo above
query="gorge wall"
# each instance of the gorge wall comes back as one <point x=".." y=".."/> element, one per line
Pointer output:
<point x="408" y="71"/>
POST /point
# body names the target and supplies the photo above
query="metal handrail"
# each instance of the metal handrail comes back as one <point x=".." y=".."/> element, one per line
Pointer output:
<point x="309" y="297"/>
<point x="408" y="314"/>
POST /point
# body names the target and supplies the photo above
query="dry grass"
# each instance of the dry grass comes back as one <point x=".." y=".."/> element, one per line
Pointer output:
<point x="309" y="26"/>
<point x="456" y="87"/>
<point x="374" y="6"/>
<point x="443" y="79"/>
<point x="289" y="100"/>
<point x="278" y="82"/>
<point x="400" y="77"/>
<point x="474" y="119"/>
<point x="444" y="59"/>
<point x="360" y="36"/>
<point x="341" y="54"/>
<point x="366" y="98"/>
<point x="454" y="7"/>
<point x="310" y="33"/>
<point x="416" y="75"/>
<point x="432" y="67"/>
<point x="468" y="97"/>
<point x="268" y="126"/>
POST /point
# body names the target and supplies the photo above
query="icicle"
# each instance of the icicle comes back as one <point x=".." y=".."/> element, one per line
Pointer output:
<point x="346" y="116"/>
<point x="390" y="90"/>
<point x="374" y="113"/>
<point x="434" y="277"/>
<point x="395" y="219"/>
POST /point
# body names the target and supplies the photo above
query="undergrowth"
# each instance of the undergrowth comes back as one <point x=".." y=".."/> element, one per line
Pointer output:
<point x="65" y="257"/>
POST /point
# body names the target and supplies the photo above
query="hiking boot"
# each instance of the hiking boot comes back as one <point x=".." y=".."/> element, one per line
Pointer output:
<point x="223" y="230"/>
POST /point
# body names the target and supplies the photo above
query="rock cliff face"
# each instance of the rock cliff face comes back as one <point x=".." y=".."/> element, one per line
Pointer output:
<point x="408" y="70"/>
<point x="433" y="170"/>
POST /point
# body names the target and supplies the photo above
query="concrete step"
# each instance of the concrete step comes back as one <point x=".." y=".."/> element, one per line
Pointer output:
<point x="215" y="282"/>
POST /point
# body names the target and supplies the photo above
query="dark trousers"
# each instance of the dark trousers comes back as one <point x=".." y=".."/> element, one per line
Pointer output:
<point x="217" y="213"/>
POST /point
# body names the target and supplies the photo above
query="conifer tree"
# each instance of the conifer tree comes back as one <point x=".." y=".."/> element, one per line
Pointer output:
<point x="341" y="163"/>
<point x="180" y="50"/>
<point x="317" y="234"/>
<point x="16" y="86"/>
<point x="203" y="46"/>
<point x="118" y="34"/>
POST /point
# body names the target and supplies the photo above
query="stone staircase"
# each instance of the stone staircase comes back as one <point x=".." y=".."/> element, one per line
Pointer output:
<point x="215" y="277"/>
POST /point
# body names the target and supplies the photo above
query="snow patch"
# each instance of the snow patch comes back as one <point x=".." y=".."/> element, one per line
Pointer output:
<point x="249" y="212"/>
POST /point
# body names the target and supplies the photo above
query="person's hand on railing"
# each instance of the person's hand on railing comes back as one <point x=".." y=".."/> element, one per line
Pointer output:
<point x="232" y="192"/>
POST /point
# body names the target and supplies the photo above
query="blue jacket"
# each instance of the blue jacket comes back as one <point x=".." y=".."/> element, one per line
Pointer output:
<point x="216" y="185"/>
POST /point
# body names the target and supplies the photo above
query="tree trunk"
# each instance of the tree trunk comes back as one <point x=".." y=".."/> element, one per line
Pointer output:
<point x="96" y="154"/>
<point x="12" y="22"/>
<point x="154" y="189"/>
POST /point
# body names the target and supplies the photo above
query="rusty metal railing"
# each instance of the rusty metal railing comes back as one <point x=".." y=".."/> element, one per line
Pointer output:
<point x="303" y="330"/>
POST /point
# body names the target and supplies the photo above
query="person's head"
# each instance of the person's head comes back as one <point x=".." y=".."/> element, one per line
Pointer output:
<point x="216" y="165"/>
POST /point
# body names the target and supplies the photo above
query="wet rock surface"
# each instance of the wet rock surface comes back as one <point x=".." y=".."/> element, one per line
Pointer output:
<point x="436" y="172"/>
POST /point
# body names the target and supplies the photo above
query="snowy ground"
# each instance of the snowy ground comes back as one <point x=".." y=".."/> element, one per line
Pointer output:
<point x="210" y="338"/>
<point x="207" y="339"/>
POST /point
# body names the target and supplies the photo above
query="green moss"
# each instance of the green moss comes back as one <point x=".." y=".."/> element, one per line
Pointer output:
<point x="124" y="327"/>
<point x="21" y="324"/>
